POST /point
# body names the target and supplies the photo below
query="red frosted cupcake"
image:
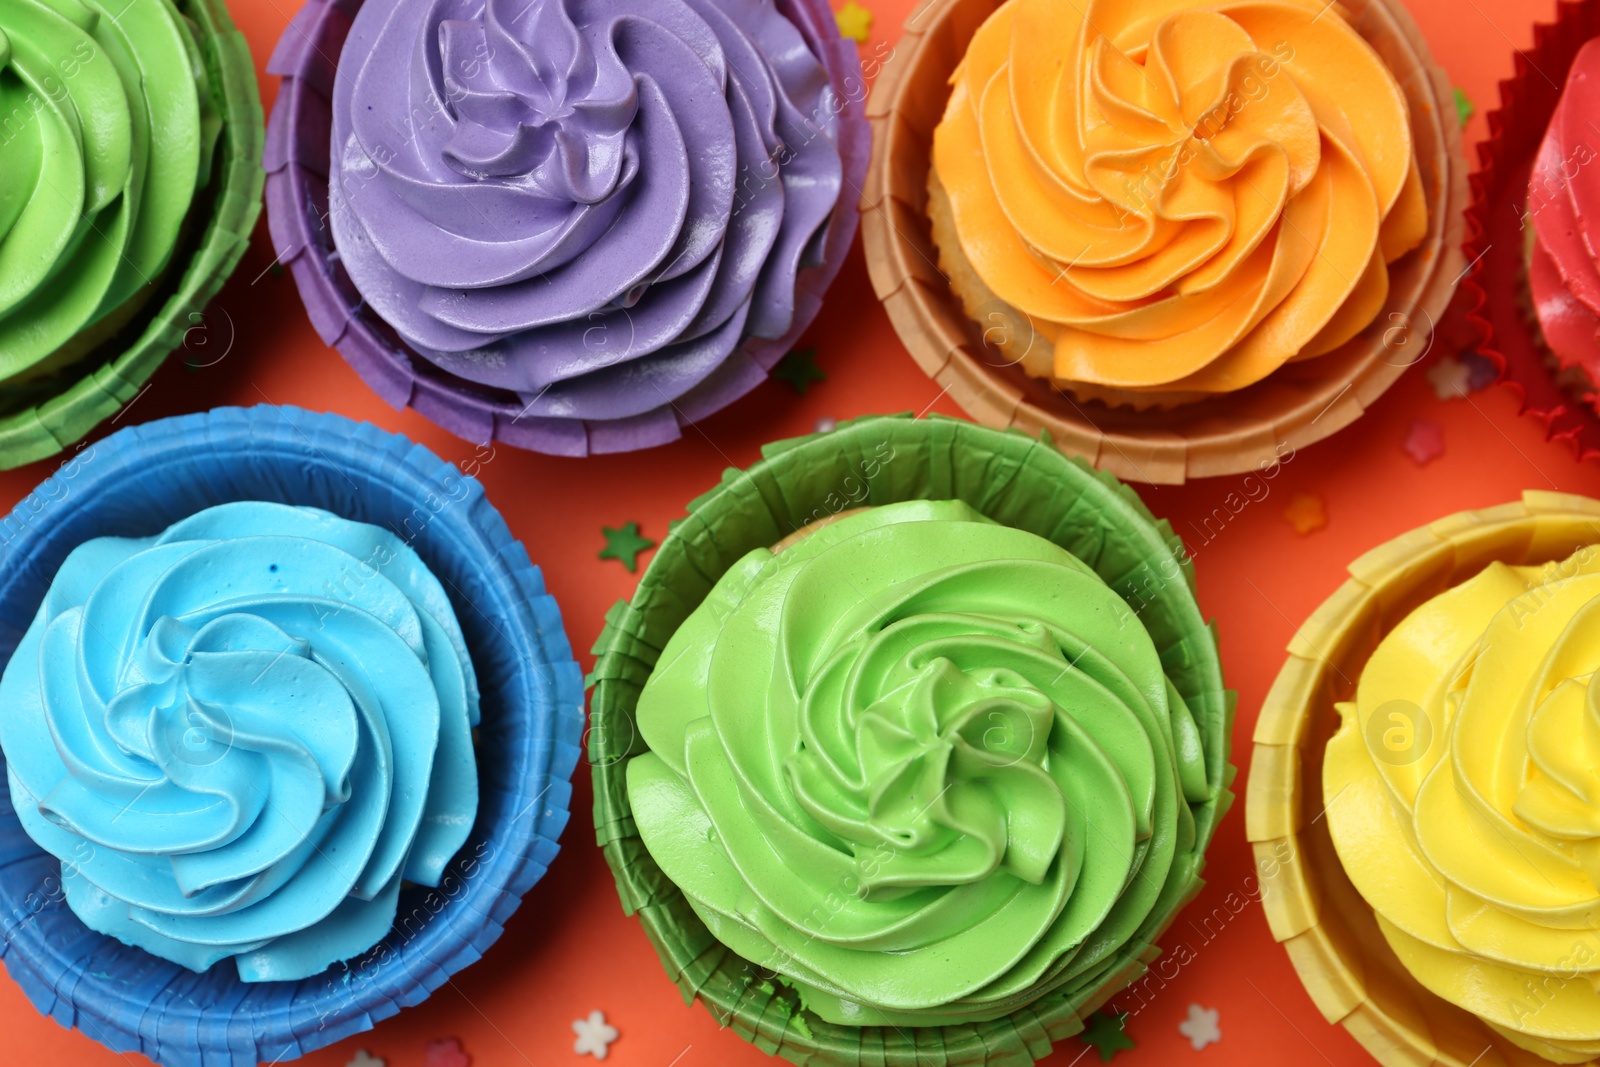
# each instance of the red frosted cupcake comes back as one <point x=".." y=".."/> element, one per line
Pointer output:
<point x="1534" y="289"/>
<point x="1564" y="231"/>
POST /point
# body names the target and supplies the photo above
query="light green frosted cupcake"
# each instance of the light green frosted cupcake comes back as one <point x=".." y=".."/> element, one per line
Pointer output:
<point x="932" y="776"/>
<point x="130" y="178"/>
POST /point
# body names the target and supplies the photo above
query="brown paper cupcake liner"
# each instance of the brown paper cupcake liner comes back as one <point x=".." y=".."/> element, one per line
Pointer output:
<point x="1494" y="291"/>
<point x="1314" y="911"/>
<point x="1300" y="403"/>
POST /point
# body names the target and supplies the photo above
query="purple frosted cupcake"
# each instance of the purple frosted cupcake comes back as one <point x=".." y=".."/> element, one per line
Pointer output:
<point x="569" y="225"/>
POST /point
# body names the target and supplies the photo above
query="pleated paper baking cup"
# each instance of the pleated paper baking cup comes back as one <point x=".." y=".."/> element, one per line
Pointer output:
<point x="222" y="216"/>
<point x="798" y="485"/>
<point x="1298" y="404"/>
<point x="136" y="483"/>
<point x="1329" y="931"/>
<point x="299" y="136"/>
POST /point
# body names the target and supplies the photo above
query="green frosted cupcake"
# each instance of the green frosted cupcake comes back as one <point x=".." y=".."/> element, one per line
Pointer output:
<point x="130" y="178"/>
<point x="910" y="742"/>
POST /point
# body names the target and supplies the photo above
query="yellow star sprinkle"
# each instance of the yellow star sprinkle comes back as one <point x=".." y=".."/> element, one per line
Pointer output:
<point x="855" y="21"/>
<point x="1306" y="513"/>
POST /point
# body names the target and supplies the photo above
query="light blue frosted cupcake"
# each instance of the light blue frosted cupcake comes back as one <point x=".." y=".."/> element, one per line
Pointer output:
<point x="247" y="815"/>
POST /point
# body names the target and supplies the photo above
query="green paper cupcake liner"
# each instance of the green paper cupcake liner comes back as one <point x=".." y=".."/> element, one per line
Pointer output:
<point x="1009" y="477"/>
<point x="228" y="207"/>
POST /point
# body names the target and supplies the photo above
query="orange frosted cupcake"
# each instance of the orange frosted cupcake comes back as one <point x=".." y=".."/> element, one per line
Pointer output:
<point x="1177" y="235"/>
<point x="1182" y="197"/>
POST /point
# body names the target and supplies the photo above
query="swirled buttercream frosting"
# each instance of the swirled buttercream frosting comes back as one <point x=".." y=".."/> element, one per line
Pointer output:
<point x="589" y="204"/>
<point x="242" y="735"/>
<point x="1179" y="196"/>
<point x="924" y="767"/>
<point x="107" y="127"/>
<point x="1464" y="801"/>
<point x="1563" y="195"/>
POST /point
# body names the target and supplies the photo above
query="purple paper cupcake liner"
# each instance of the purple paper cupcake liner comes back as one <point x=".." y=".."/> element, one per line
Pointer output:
<point x="299" y="136"/>
<point x="141" y="480"/>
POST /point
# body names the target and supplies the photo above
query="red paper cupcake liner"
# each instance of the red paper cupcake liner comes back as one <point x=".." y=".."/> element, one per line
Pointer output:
<point x="1494" y="288"/>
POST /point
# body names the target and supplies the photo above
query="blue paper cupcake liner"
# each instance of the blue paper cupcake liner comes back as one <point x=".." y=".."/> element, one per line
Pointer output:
<point x="137" y="482"/>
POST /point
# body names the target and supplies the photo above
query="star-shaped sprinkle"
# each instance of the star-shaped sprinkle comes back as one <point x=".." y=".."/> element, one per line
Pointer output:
<point x="826" y="424"/>
<point x="1201" y="1027"/>
<point x="1481" y="371"/>
<point x="1106" y="1033"/>
<point x="594" y="1035"/>
<point x="1306" y="513"/>
<point x="855" y="21"/>
<point x="799" y="369"/>
<point x="363" y="1058"/>
<point x="1464" y="106"/>
<point x="1450" y="378"/>
<point x="446" y="1052"/>
<point x="625" y="544"/>
<point x="1425" y="441"/>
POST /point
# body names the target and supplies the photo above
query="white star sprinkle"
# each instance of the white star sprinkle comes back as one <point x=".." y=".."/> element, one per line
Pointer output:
<point x="365" y="1059"/>
<point x="594" y="1035"/>
<point x="1201" y="1027"/>
<point x="1450" y="378"/>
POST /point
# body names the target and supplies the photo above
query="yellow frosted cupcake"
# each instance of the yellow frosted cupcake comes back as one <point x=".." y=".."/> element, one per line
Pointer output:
<point x="1464" y="799"/>
<point x="1424" y="797"/>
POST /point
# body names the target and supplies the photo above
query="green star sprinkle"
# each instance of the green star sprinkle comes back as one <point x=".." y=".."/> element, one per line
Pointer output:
<point x="1106" y="1035"/>
<point x="799" y="369"/>
<point x="1464" y="106"/>
<point x="625" y="544"/>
